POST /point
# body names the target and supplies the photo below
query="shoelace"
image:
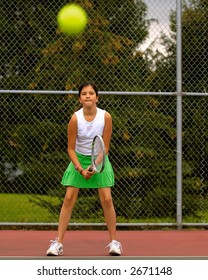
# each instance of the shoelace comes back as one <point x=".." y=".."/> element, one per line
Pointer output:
<point x="54" y="242"/>
<point x="115" y="243"/>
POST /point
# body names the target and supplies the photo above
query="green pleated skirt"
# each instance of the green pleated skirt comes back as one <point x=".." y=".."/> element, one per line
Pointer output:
<point x="73" y="178"/>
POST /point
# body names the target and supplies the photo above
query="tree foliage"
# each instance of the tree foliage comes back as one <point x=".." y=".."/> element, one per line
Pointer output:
<point x="37" y="56"/>
<point x="194" y="51"/>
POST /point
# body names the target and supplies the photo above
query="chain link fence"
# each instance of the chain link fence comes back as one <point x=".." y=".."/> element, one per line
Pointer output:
<point x="129" y="49"/>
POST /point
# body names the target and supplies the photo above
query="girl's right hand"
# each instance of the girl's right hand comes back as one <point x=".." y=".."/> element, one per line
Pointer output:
<point x="87" y="174"/>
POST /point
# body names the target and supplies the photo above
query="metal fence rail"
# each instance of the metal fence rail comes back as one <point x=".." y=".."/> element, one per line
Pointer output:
<point x="134" y="51"/>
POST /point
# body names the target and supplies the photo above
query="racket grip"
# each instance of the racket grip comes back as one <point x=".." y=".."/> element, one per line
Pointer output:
<point x="90" y="169"/>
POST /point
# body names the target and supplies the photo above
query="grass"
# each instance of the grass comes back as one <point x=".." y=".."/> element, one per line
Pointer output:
<point x="19" y="208"/>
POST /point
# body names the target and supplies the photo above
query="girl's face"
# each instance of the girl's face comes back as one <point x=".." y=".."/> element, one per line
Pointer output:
<point x="88" y="96"/>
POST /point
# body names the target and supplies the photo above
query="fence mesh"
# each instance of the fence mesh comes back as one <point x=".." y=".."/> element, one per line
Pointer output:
<point x="128" y="46"/>
<point x="143" y="154"/>
<point x="37" y="56"/>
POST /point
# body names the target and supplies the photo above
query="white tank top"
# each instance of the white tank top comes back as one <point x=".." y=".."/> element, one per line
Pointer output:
<point x="86" y="131"/>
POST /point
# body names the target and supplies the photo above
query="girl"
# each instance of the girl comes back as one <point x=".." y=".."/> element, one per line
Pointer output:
<point x="83" y="126"/>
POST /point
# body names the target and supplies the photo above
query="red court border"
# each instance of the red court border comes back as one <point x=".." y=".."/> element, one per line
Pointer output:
<point x="92" y="243"/>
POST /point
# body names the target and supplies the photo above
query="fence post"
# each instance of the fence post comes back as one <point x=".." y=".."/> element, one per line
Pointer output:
<point x="179" y="112"/>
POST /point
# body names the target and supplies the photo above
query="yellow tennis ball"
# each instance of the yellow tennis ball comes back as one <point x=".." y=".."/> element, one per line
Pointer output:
<point x="72" y="19"/>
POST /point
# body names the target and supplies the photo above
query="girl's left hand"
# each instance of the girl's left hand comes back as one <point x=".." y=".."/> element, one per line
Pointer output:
<point x="87" y="174"/>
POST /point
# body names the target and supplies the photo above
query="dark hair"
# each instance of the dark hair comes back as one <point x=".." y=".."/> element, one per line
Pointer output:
<point x="88" y="84"/>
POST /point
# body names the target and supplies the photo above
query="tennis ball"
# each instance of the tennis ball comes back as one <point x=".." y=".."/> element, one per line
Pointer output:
<point x="72" y="19"/>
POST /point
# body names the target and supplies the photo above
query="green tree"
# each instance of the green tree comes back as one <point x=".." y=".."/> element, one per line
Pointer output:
<point x="103" y="53"/>
<point x="25" y="29"/>
<point x="194" y="79"/>
<point x="36" y="55"/>
<point x="194" y="46"/>
<point x="194" y="51"/>
<point x="35" y="138"/>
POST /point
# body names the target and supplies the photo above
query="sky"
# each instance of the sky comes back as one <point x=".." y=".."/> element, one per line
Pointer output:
<point x="160" y="10"/>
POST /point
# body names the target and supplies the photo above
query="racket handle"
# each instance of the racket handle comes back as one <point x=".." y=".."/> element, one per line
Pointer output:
<point x="90" y="169"/>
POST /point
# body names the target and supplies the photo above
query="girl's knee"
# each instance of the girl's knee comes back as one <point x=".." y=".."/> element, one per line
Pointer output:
<point x="107" y="201"/>
<point x="70" y="198"/>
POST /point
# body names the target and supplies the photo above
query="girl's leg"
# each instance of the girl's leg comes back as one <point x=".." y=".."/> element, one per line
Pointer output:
<point x="66" y="211"/>
<point x="109" y="211"/>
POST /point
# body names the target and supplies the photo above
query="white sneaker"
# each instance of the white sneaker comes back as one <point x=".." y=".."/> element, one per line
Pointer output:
<point x="55" y="249"/>
<point x="115" y="248"/>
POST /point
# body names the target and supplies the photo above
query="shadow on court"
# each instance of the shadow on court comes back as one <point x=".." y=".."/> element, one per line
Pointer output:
<point x="92" y="243"/>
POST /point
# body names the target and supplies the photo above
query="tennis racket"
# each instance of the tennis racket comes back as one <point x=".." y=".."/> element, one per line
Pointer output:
<point x="98" y="155"/>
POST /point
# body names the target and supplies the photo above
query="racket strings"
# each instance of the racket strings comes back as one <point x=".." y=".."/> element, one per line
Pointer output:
<point x="98" y="156"/>
<point x="97" y="147"/>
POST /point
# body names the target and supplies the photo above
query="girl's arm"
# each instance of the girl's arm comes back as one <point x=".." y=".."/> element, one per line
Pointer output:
<point x="107" y="132"/>
<point x="72" y="135"/>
